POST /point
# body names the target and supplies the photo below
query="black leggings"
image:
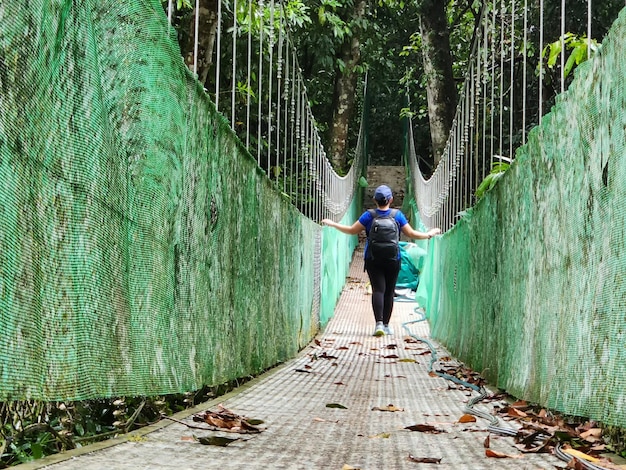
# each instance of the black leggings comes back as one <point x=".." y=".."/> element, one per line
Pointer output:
<point x="383" y="276"/>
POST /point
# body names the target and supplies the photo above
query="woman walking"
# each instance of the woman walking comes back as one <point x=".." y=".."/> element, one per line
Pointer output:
<point x="382" y="254"/>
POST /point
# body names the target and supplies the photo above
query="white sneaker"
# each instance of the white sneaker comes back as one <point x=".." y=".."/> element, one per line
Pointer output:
<point x="388" y="330"/>
<point x="380" y="329"/>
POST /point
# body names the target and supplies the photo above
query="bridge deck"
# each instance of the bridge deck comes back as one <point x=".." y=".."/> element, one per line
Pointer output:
<point x="303" y="433"/>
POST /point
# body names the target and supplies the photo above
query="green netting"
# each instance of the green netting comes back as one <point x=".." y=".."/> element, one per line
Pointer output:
<point x="529" y="286"/>
<point x="142" y="251"/>
<point x="337" y="252"/>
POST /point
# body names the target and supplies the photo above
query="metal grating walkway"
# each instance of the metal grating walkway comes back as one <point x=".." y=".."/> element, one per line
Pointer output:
<point x="303" y="433"/>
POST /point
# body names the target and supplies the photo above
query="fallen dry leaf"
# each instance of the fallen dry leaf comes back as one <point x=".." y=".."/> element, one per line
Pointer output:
<point x="467" y="419"/>
<point x="424" y="459"/>
<point x="487" y="442"/>
<point x="343" y="348"/>
<point x="336" y="405"/>
<point x="216" y="440"/>
<point x="516" y="413"/>
<point x="227" y="420"/>
<point x="427" y="428"/>
<point x="391" y="356"/>
<point x="407" y="359"/>
<point x="389" y="407"/>
<point x="500" y="455"/>
<point x="593" y="435"/>
<point x="579" y="455"/>
<point x="381" y="435"/>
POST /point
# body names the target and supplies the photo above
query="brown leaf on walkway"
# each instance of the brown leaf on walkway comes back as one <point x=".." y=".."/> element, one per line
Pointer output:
<point x="409" y="339"/>
<point x="391" y="356"/>
<point x="579" y="455"/>
<point x="324" y="355"/>
<point x="433" y="374"/>
<point x="516" y="413"/>
<point x="356" y="343"/>
<point x="343" y="348"/>
<point x="520" y="405"/>
<point x="424" y="459"/>
<point x="302" y="370"/>
<point x="339" y="383"/>
<point x="336" y="405"/>
<point x="318" y="342"/>
<point x="467" y="419"/>
<point x="389" y="407"/>
<point x="487" y="442"/>
<point x="226" y="419"/>
<point x="500" y="455"/>
<point x="427" y="428"/>
<point x="592" y="435"/>
<point x="423" y="353"/>
<point x="216" y="440"/>
<point x="391" y="346"/>
<point x="322" y="420"/>
<point x="188" y="438"/>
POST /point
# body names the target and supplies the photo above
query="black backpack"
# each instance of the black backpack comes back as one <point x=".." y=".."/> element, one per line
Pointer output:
<point x="384" y="237"/>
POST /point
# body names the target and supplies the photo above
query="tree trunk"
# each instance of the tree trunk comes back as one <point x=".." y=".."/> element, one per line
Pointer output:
<point x="207" y="31"/>
<point x="440" y="89"/>
<point x="344" y="98"/>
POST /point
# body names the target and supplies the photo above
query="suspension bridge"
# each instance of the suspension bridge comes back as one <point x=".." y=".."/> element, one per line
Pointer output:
<point x="157" y="238"/>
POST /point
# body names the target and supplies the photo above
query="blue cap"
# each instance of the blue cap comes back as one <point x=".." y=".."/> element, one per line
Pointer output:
<point x="383" y="194"/>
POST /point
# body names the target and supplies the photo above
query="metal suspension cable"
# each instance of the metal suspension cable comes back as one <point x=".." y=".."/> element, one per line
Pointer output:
<point x="540" y="91"/>
<point x="249" y="75"/>
<point x="218" y="62"/>
<point x="270" y="73"/>
<point x="234" y="69"/>
<point x="260" y="80"/>
<point x="195" y="45"/>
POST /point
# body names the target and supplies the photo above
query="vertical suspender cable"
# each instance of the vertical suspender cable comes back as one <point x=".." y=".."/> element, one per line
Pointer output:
<point x="298" y="190"/>
<point x="234" y="70"/>
<point x="249" y="75"/>
<point x="260" y="80"/>
<point x="195" y="40"/>
<point x="218" y="55"/>
<point x="169" y="12"/>
<point x="540" y="60"/>
<point x="588" y="28"/>
<point x="293" y="188"/>
<point x="484" y="82"/>
<point x="562" y="46"/>
<point x="279" y="85"/>
<point x="524" y="67"/>
<point x="512" y="88"/>
<point x="270" y="74"/>
<point x="501" y="110"/>
<point x="286" y="121"/>
<point x="493" y="86"/>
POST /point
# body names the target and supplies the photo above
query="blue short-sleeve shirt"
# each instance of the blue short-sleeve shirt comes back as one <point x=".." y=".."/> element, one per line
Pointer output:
<point x="367" y="218"/>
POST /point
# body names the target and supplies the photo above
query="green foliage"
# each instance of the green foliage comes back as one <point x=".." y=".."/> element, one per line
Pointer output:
<point x="581" y="49"/>
<point x="497" y="170"/>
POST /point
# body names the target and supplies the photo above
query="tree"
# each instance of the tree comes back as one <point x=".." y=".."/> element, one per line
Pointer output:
<point x="440" y="84"/>
<point x="207" y="31"/>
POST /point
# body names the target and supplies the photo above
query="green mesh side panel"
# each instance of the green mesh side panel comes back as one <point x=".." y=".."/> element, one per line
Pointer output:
<point x="529" y="287"/>
<point x="142" y="251"/>
<point x="337" y="252"/>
